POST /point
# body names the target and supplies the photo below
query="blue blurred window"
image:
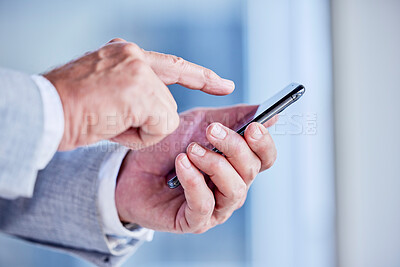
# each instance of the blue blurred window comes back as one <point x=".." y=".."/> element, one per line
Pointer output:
<point x="205" y="32"/>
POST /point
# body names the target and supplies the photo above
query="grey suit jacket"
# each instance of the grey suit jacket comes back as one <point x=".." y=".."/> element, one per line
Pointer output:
<point x="63" y="211"/>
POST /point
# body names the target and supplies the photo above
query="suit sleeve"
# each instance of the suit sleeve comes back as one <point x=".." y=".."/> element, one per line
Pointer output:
<point x="63" y="212"/>
<point x="22" y="125"/>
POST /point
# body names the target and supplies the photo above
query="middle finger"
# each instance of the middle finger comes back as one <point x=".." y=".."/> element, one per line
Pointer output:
<point x="236" y="150"/>
<point x="231" y="189"/>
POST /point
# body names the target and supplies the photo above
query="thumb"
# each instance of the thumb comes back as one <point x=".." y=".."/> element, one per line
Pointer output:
<point x="232" y="117"/>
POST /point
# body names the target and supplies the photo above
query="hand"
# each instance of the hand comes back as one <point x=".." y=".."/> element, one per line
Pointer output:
<point x="119" y="92"/>
<point x="143" y="197"/>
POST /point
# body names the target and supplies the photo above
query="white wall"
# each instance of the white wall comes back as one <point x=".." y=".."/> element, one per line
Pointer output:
<point x="366" y="38"/>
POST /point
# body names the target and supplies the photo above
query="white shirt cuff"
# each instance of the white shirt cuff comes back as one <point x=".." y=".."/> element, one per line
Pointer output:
<point x="120" y="239"/>
<point x="53" y="121"/>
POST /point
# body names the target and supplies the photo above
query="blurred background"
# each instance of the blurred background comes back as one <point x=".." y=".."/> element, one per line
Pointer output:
<point x="333" y="196"/>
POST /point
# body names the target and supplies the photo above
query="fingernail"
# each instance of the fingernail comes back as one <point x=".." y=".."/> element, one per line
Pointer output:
<point x="185" y="162"/>
<point x="198" y="150"/>
<point x="217" y="131"/>
<point x="256" y="134"/>
<point x="228" y="83"/>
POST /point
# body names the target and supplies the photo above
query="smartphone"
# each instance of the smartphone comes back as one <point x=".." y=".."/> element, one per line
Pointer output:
<point x="266" y="111"/>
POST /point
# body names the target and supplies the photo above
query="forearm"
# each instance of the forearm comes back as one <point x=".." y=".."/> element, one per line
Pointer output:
<point x="70" y="204"/>
<point x="63" y="209"/>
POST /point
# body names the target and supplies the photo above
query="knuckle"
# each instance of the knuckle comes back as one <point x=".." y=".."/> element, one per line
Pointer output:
<point x="96" y="55"/>
<point x="263" y="148"/>
<point x="137" y="66"/>
<point x="130" y="49"/>
<point x="206" y="207"/>
<point x="221" y="209"/>
<point x="178" y="60"/>
<point x="217" y="165"/>
<point x="208" y="74"/>
<point x="270" y="163"/>
<point x="101" y="53"/>
<point x="241" y="191"/>
<point x="254" y="169"/>
<point x="134" y="120"/>
<point x="271" y="159"/>
<point x="114" y="40"/>
<point x="237" y="192"/>
<point x="184" y="226"/>
<point x="193" y="182"/>
<point x="179" y="64"/>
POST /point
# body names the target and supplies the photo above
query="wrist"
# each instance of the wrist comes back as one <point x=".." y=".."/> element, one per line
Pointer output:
<point x="70" y="136"/>
<point x="120" y="192"/>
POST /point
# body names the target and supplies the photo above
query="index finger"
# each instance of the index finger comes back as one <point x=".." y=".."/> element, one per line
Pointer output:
<point x="172" y="69"/>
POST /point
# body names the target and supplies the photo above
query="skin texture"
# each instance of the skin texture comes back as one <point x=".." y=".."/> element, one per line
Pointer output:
<point x="119" y="92"/>
<point x="202" y="202"/>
